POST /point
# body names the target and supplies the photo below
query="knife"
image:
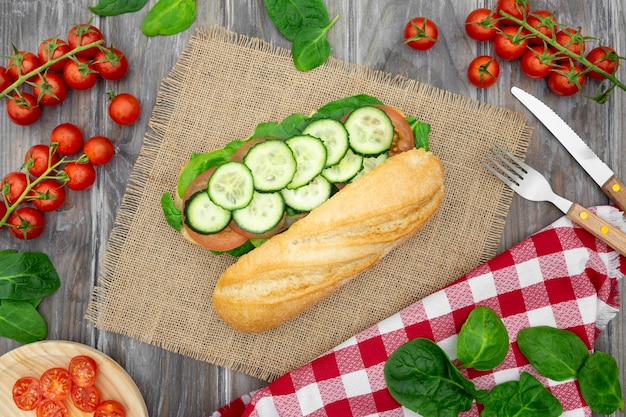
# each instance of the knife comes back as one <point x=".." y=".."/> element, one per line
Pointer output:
<point x="598" y="170"/>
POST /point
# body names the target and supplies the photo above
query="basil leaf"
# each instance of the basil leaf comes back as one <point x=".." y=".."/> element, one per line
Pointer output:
<point x="483" y="340"/>
<point x="20" y="321"/>
<point x="310" y="47"/>
<point x="523" y="398"/>
<point x="173" y="215"/>
<point x="339" y="108"/>
<point x="420" y="132"/>
<point x="26" y="275"/>
<point x="168" y="17"/>
<point x="290" y="16"/>
<point x="117" y="7"/>
<point x="598" y="379"/>
<point x="421" y="377"/>
<point x="555" y="353"/>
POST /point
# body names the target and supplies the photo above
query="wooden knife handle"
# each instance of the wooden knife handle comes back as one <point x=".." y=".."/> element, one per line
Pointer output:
<point x="600" y="228"/>
<point x="616" y="190"/>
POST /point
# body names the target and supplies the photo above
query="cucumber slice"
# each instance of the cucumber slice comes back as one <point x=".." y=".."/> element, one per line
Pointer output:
<point x="370" y="131"/>
<point x="263" y="213"/>
<point x="310" y="154"/>
<point x="333" y="134"/>
<point x="349" y="166"/>
<point x="272" y="165"/>
<point x="308" y="197"/>
<point x="369" y="163"/>
<point x="204" y="216"/>
<point x="231" y="186"/>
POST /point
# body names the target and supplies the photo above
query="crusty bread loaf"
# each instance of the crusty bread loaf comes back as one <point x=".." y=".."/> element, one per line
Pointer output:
<point x="344" y="236"/>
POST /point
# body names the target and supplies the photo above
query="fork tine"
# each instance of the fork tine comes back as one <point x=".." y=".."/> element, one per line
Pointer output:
<point x="511" y="167"/>
<point x="513" y="158"/>
<point x="501" y="177"/>
<point x="514" y="176"/>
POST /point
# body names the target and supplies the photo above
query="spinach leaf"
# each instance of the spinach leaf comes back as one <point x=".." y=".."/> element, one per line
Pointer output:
<point x="290" y="16"/>
<point x="420" y="132"/>
<point x="523" y="398"/>
<point x="289" y="127"/>
<point x="20" y="321"/>
<point x="555" y="353"/>
<point x="173" y="215"/>
<point x="339" y="108"/>
<point x="117" y="7"/>
<point x="421" y="377"/>
<point x="598" y="379"/>
<point x="310" y="47"/>
<point x="168" y="17"/>
<point x="26" y="275"/>
<point x="483" y="340"/>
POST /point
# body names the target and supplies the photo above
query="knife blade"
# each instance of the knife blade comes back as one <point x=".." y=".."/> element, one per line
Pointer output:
<point x="598" y="170"/>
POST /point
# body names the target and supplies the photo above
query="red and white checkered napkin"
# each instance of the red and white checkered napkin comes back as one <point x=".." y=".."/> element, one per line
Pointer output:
<point x="561" y="277"/>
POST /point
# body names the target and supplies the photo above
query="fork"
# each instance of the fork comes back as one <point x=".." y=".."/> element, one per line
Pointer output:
<point x="530" y="184"/>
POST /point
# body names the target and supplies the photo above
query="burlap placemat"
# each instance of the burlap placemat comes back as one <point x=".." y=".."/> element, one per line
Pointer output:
<point x="156" y="287"/>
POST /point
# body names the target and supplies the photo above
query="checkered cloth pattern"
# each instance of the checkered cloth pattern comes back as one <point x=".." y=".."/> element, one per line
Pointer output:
<point x="561" y="276"/>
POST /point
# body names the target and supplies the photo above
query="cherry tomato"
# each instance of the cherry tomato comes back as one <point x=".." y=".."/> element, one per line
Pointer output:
<point x="22" y="109"/>
<point x="571" y="39"/>
<point x="55" y="384"/>
<point x="537" y="62"/>
<point x="39" y="159"/>
<point x="48" y="195"/>
<point x="22" y="63"/>
<point x="481" y="25"/>
<point x="516" y="8"/>
<point x="544" y="21"/>
<point x="26" y="393"/>
<point x="79" y="74"/>
<point x="110" y="408"/>
<point x="68" y="138"/>
<point x="604" y="58"/>
<point x="27" y="223"/>
<point x="5" y="79"/>
<point x="510" y="43"/>
<point x="3" y="211"/>
<point x="84" y="34"/>
<point x="403" y="139"/>
<point x="99" y="150"/>
<point x="111" y="64"/>
<point x="421" y="33"/>
<point x="124" y="109"/>
<point x="483" y="71"/>
<point x="13" y="186"/>
<point x="50" y="89"/>
<point x="84" y="371"/>
<point x="81" y="176"/>
<point x="51" y="408"/>
<point x="85" y="398"/>
<point x="565" y="80"/>
<point x="53" y="48"/>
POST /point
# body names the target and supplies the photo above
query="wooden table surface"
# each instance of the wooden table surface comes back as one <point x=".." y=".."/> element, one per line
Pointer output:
<point x="369" y="32"/>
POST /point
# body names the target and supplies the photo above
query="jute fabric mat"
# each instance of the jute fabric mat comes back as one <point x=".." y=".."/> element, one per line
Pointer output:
<point x="156" y="287"/>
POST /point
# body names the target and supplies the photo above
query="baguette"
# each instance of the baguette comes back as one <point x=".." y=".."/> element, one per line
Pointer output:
<point x="344" y="236"/>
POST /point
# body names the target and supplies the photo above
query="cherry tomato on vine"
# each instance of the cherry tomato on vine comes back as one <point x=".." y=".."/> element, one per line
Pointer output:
<point x="110" y="408"/>
<point x="85" y="398"/>
<point x="79" y="74"/>
<point x="68" y="138"/>
<point x="84" y="370"/>
<point x="481" y="24"/>
<point x="3" y="211"/>
<point x="51" y="408"/>
<point x="516" y="8"/>
<point x="99" y="150"/>
<point x="27" y="223"/>
<point x="544" y="21"/>
<point x="537" y="62"/>
<point x="22" y="109"/>
<point x="53" y="48"/>
<point x="13" y="186"/>
<point x="604" y="58"/>
<point x="124" y="109"/>
<point x="48" y="195"/>
<point x="421" y="33"/>
<point x="26" y="394"/>
<point x="39" y="159"/>
<point x="483" y="71"/>
<point x="81" y="176"/>
<point x="111" y="63"/>
<point x="565" y="80"/>
<point x="5" y="79"/>
<point x="84" y="34"/>
<point x="50" y="89"/>
<point x="571" y="39"/>
<point x="510" y="43"/>
<point x="21" y="63"/>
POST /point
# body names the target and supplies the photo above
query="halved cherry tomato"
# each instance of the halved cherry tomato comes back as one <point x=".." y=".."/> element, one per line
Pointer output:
<point x="13" y="186"/>
<point x="23" y="109"/>
<point x="85" y="398"/>
<point x="481" y="24"/>
<point x="26" y="393"/>
<point x="68" y="137"/>
<point x="83" y="370"/>
<point x="81" y="176"/>
<point x="84" y="34"/>
<point x="403" y="139"/>
<point x="39" y="159"/>
<point x="110" y="408"/>
<point x="99" y="150"/>
<point x="55" y="384"/>
<point x="483" y="71"/>
<point x="50" y="89"/>
<point x="421" y="33"/>
<point x="604" y="58"/>
<point x="51" y="408"/>
<point x="53" y="48"/>
<point x="48" y="195"/>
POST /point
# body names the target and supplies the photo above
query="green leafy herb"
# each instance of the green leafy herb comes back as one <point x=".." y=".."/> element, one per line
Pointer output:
<point x="168" y="17"/>
<point x="20" y="321"/>
<point x="598" y="379"/>
<point x="483" y="340"/>
<point x="523" y="398"/>
<point x="311" y="47"/>
<point x="420" y="376"/>
<point x="289" y="127"/>
<point x="339" y="108"/>
<point x="421" y="131"/>
<point x="117" y="7"/>
<point x="290" y="16"/>
<point x="555" y="353"/>
<point x="173" y="215"/>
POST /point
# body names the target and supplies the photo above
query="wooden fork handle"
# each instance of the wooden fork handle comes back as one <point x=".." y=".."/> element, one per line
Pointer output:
<point x="598" y="227"/>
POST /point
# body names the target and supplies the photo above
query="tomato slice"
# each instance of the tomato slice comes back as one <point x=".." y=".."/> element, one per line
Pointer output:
<point x="110" y="408"/>
<point x="51" y="408"/>
<point x="26" y="393"/>
<point x="403" y="139"/>
<point x="83" y="370"/>
<point x="85" y="398"/>
<point x="55" y="384"/>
